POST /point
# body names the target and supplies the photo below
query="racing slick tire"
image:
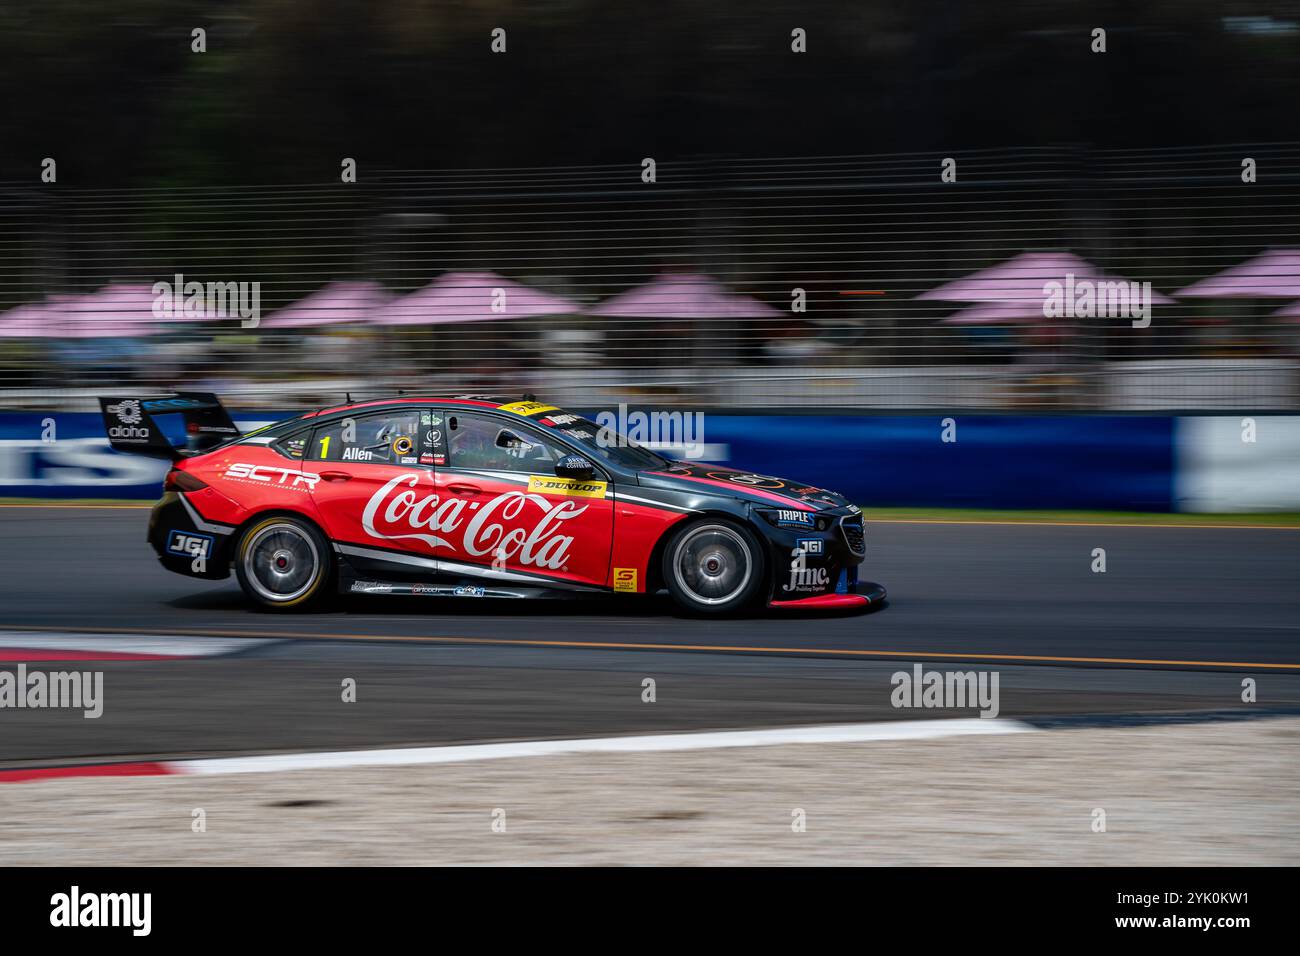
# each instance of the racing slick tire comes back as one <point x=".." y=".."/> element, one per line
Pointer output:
<point x="713" y="566"/>
<point x="284" y="563"/>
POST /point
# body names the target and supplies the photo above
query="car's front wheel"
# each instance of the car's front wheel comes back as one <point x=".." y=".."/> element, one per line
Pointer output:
<point x="283" y="563"/>
<point x="714" y="566"/>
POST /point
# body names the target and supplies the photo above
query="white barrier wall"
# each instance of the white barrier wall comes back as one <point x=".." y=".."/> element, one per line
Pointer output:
<point x="1237" y="463"/>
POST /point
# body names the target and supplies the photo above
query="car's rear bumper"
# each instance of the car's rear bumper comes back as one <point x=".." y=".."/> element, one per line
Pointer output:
<point x="184" y="547"/>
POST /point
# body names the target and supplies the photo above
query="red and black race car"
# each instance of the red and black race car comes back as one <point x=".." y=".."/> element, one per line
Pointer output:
<point x="480" y="497"/>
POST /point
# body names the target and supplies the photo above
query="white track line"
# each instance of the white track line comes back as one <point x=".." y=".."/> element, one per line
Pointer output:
<point x="178" y="645"/>
<point x="648" y="743"/>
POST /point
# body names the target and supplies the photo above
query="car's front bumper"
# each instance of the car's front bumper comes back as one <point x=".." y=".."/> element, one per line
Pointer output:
<point x="819" y="561"/>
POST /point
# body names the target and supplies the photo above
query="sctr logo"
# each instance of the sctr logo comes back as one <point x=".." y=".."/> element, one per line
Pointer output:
<point x="241" y="471"/>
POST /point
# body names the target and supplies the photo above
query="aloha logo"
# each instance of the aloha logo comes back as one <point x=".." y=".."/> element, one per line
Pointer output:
<point x="131" y="433"/>
<point x="129" y="428"/>
<point x="127" y="411"/>
<point x="427" y="519"/>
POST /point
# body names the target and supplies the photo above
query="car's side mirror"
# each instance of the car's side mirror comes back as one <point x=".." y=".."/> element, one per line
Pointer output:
<point x="574" y="466"/>
<point x="508" y="439"/>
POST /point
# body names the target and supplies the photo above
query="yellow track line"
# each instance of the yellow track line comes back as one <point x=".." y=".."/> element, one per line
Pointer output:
<point x="611" y="645"/>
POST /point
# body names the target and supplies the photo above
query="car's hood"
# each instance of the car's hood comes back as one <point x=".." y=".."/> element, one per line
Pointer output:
<point x="697" y="476"/>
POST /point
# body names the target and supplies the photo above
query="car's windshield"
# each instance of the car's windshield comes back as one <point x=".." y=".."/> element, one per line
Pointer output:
<point x="603" y="442"/>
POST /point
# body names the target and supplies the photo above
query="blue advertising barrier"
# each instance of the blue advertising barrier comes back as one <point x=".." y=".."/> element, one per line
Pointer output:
<point x="66" y="455"/>
<point x="1085" y="462"/>
<point x="1117" y="463"/>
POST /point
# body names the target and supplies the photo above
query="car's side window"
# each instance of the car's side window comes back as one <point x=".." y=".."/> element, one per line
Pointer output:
<point x="295" y="445"/>
<point x="491" y="444"/>
<point x="389" y="437"/>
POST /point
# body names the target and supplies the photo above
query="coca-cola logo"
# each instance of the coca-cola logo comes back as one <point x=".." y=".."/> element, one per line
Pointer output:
<point x="516" y="526"/>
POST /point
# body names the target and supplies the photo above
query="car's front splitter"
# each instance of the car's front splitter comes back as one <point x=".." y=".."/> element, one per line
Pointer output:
<point x="867" y="594"/>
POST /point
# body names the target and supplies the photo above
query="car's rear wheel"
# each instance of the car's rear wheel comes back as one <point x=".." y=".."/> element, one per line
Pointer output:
<point x="283" y="563"/>
<point x="714" y="566"/>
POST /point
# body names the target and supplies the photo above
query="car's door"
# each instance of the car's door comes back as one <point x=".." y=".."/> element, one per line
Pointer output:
<point x="375" y="479"/>
<point x="514" y="515"/>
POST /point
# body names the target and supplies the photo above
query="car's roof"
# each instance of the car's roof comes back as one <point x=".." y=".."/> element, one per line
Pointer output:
<point x="501" y="402"/>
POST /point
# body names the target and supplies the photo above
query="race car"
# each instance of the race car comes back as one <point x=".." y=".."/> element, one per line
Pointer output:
<point x="480" y="497"/>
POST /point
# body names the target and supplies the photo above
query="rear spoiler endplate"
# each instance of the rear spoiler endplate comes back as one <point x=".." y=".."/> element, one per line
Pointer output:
<point x="130" y="426"/>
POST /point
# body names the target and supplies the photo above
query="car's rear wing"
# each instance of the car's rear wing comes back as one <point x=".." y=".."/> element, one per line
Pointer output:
<point x="130" y="424"/>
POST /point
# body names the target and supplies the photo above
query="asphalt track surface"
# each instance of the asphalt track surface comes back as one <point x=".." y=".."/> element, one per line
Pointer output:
<point x="1179" y="619"/>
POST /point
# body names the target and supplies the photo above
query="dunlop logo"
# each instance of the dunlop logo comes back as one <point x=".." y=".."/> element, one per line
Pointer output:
<point x="550" y="485"/>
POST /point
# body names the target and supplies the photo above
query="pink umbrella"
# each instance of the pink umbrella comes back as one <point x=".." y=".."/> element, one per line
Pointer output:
<point x="1023" y="281"/>
<point x="1015" y="280"/>
<point x="336" y="303"/>
<point x="1291" y="312"/>
<point x="470" y="297"/>
<point x="115" y="311"/>
<point x="33" y="320"/>
<point x="998" y="313"/>
<point x="1274" y="274"/>
<point x="684" y="297"/>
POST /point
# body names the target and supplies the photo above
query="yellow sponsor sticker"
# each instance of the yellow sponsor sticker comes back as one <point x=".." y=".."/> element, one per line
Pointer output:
<point x="625" y="579"/>
<point x="527" y="408"/>
<point x="552" y="485"/>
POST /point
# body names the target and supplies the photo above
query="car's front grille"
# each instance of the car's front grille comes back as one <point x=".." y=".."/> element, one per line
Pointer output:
<point x="855" y="535"/>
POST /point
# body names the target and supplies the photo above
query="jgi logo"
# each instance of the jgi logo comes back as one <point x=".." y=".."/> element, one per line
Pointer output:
<point x="189" y="544"/>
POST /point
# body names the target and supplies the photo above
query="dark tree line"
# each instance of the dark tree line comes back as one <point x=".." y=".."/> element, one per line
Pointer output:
<point x="287" y="87"/>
